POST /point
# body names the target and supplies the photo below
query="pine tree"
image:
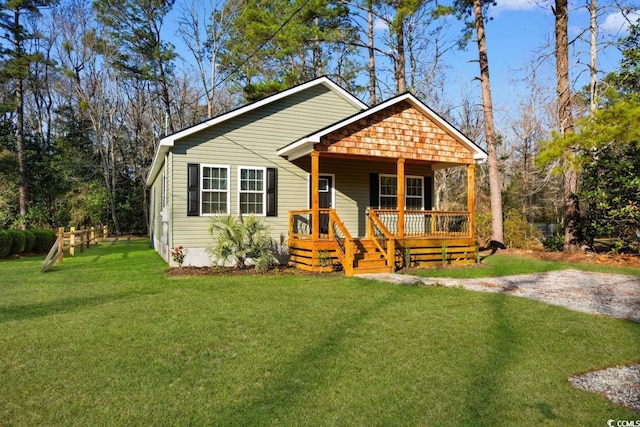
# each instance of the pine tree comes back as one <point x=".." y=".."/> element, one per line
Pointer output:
<point x="16" y="60"/>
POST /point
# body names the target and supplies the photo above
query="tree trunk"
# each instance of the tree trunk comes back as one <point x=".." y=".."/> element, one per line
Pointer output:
<point x="565" y="118"/>
<point x="372" y="58"/>
<point x="593" y="71"/>
<point x="401" y="78"/>
<point x="495" y="189"/>
<point x="22" y="171"/>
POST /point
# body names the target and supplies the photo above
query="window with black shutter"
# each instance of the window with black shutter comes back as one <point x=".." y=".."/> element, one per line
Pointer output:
<point x="272" y="192"/>
<point x="193" y="189"/>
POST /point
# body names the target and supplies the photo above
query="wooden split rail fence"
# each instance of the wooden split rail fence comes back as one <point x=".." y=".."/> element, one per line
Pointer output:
<point x="72" y="240"/>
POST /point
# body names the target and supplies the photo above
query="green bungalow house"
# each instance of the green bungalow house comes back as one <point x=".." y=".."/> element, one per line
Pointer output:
<point x="340" y="184"/>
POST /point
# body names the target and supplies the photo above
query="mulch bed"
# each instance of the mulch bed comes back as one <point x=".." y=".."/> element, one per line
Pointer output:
<point x="225" y="271"/>
<point x="619" y="260"/>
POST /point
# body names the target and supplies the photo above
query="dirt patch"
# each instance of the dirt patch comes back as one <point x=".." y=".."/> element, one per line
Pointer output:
<point x="618" y="260"/>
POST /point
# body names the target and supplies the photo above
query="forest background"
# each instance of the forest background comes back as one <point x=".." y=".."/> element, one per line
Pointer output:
<point x="87" y="89"/>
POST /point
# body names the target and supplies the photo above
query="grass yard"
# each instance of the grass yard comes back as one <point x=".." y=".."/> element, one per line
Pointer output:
<point x="107" y="339"/>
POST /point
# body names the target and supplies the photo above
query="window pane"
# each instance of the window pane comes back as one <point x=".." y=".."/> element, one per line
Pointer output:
<point x="414" y="187"/>
<point x="414" y="203"/>
<point x="388" y="202"/>
<point x="251" y="203"/>
<point x="214" y="202"/>
<point x="388" y="186"/>
<point x="323" y="185"/>
<point x="251" y="191"/>
<point x="214" y="190"/>
<point x="214" y="178"/>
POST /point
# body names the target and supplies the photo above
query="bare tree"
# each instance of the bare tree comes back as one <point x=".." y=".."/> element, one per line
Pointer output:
<point x="95" y="86"/>
<point x="202" y="30"/>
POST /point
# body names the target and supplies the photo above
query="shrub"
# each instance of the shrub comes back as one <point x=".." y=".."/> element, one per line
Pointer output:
<point x="44" y="240"/>
<point x="483" y="228"/>
<point x="18" y="241"/>
<point x="241" y="242"/>
<point x="519" y="233"/>
<point x="30" y="241"/>
<point x="554" y="243"/>
<point x="5" y="243"/>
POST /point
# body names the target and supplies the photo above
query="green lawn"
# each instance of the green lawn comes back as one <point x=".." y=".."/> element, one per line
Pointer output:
<point x="107" y="339"/>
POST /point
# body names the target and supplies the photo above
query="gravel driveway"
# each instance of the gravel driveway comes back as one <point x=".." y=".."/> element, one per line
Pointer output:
<point x="613" y="295"/>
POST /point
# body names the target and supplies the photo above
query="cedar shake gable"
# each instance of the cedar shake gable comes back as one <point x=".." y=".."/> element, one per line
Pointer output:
<point x="402" y="127"/>
<point x="399" y="131"/>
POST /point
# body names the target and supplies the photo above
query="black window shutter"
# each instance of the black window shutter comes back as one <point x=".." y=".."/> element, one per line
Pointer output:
<point x="428" y="192"/>
<point x="374" y="190"/>
<point x="193" y="189"/>
<point x="272" y="192"/>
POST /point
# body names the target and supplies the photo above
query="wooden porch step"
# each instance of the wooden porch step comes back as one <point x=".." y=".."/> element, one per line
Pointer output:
<point x="371" y="270"/>
<point x="368" y="259"/>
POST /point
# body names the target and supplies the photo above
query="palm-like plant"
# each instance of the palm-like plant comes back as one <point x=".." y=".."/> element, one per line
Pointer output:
<point x="241" y="242"/>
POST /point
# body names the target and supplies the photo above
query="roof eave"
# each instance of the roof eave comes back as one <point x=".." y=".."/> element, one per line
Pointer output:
<point x="163" y="148"/>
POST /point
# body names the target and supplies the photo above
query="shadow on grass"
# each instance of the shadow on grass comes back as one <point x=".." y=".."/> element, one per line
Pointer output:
<point x="489" y="374"/>
<point x="31" y="311"/>
<point x="303" y="374"/>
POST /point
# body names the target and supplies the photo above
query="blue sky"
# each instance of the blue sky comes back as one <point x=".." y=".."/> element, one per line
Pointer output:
<point x="520" y="31"/>
<point x="518" y="34"/>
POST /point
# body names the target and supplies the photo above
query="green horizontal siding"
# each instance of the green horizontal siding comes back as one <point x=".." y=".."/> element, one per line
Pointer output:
<point x="253" y="140"/>
<point x="352" y="186"/>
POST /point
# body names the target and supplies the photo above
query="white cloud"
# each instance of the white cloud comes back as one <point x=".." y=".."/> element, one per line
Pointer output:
<point x="617" y="22"/>
<point x="379" y="24"/>
<point x="516" y="4"/>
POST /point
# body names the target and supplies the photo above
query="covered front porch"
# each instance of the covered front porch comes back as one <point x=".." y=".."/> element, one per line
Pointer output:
<point x="382" y="162"/>
<point x="394" y="238"/>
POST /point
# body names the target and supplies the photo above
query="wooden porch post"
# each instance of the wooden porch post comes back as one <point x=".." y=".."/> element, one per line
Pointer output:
<point x="315" y="196"/>
<point x="471" y="198"/>
<point x="401" y="191"/>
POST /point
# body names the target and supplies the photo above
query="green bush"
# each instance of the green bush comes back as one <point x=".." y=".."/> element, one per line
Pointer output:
<point x="5" y="243"/>
<point x="519" y="233"/>
<point x="30" y="241"/>
<point x="44" y="240"/>
<point x="483" y="228"/>
<point x="554" y="243"/>
<point x="18" y="241"/>
<point x="241" y="242"/>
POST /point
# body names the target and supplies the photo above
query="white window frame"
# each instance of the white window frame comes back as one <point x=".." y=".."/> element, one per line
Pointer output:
<point x="202" y="189"/>
<point x="406" y="196"/>
<point x="263" y="192"/>
<point x="406" y="193"/>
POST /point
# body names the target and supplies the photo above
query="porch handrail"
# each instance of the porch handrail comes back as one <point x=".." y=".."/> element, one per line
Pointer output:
<point x="382" y="237"/>
<point x="300" y="222"/>
<point x="343" y="240"/>
<point x="428" y="222"/>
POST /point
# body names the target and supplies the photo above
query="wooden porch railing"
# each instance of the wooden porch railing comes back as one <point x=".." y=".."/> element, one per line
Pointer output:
<point x="300" y="223"/>
<point x="382" y="229"/>
<point x="331" y="228"/>
<point x="344" y="242"/>
<point x="382" y="237"/>
<point x="427" y="223"/>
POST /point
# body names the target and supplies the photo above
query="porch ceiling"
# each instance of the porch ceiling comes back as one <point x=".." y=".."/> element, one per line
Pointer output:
<point x="402" y="127"/>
